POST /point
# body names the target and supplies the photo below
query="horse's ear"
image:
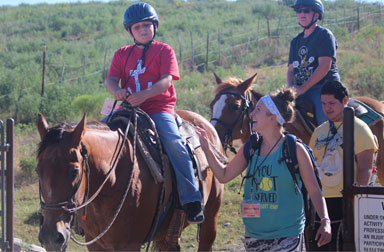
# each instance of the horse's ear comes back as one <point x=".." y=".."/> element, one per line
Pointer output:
<point x="217" y="78"/>
<point x="247" y="84"/>
<point x="79" y="131"/>
<point x="42" y="126"/>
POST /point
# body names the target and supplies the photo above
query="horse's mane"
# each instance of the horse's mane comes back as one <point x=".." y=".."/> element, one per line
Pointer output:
<point x="55" y="134"/>
<point x="231" y="82"/>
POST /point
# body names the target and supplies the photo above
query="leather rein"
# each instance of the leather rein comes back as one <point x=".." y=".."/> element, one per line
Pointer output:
<point x="246" y="108"/>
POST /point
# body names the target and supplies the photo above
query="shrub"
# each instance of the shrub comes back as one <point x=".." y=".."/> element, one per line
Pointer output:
<point x="27" y="165"/>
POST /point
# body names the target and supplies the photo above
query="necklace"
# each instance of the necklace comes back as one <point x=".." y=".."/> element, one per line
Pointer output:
<point x="332" y="130"/>
<point x="257" y="158"/>
<point x="269" y="152"/>
<point x="258" y="166"/>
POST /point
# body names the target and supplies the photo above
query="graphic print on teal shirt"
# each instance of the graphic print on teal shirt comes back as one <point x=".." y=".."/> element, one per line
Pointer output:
<point x="281" y="207"/>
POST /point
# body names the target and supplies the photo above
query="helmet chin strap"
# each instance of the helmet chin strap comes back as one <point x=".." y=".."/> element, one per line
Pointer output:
<point x="313" y="21"/>
<point x="146" y="45"/>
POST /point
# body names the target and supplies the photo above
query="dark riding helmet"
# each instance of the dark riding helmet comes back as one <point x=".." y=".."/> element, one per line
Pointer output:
<point x="316" y="5"/>
<point x="139" y="12"/>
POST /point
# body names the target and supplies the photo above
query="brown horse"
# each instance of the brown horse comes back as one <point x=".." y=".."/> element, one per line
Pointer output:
<point x="234" y="100"/>
<point x="75" y="161"/>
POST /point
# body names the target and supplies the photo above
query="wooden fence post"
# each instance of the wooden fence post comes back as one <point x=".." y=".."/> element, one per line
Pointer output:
<point x="43" y="73"/>
<point x="62" y="74"/>
<point x="193" y="53"/>
<point x="269" y="32"/>
<point x="233" y="48"/>
<point x="219" y="46"/>
<point x="83" y="78"/>
<point x="18" y="99"/>
<point x="180" y="49"/>
<point x="206" y="54"/>
<point x="258" y="28"/>
<point x="105" y="62"/>
<point x="278" y="27"/>
<point x="345" y="21"/>
<point x="358" y="19"/>
<point x="246" y="51"/>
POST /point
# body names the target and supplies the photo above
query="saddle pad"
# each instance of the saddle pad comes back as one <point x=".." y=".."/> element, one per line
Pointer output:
<point x="364" y="112"/>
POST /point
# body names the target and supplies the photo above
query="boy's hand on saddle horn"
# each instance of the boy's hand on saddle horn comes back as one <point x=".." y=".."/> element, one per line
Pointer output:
<point x="121" y="94"/>
<point x="136" y="99"/>
<point x="324" y="234"/>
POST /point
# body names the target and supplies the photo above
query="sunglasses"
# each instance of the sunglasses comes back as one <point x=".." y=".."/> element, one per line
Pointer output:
<point x="305" y="10"/>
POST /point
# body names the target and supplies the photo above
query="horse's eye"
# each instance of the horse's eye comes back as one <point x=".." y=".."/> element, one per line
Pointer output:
<point x="235" y="107"/>
<point x="74" y="172"/>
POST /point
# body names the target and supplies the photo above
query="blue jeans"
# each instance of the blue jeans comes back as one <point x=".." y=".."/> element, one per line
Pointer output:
<point x="313" y="94"/>
<point x="178" y="155"/>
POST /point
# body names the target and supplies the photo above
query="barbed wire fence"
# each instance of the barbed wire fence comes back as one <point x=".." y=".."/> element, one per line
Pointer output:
<point x="223" y="48"/>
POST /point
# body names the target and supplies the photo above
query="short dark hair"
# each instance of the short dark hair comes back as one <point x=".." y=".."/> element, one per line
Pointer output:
<point x="335" y="88"/>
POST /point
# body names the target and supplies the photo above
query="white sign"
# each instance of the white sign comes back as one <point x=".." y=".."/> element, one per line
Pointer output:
<point x="369" y="223"/>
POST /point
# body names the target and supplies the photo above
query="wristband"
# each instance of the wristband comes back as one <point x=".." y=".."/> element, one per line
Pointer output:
<point x="325" y="219"/>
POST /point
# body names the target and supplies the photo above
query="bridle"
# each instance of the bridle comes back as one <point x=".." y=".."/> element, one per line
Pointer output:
<point x="246" y="108"/>
<point x="70" y="205"/>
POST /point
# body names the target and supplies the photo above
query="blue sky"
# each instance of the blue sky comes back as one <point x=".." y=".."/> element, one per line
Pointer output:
<point x="17" y="2"/>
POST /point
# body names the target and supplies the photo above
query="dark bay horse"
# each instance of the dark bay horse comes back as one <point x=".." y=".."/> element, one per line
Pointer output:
<point x="233" y="102"/>
<point x="73" y="163"/>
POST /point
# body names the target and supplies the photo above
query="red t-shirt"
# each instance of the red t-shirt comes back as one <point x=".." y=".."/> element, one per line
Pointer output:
<point x="160" y="59"/>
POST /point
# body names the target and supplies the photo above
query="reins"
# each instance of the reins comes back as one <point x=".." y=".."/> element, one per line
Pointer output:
<point x="246" y="108"/>
<point x="70" y="205"/>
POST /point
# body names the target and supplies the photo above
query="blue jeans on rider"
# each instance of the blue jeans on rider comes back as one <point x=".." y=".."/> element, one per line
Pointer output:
<point x="173" y="145"/>
<point x="313" y="94"/>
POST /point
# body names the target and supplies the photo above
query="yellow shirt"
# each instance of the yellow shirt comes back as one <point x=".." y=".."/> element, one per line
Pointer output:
<point x="320" y="140"/>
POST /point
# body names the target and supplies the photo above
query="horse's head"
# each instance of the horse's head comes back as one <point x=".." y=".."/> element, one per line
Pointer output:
<point x="62" y="159"/>
<point x="230" y="109"/>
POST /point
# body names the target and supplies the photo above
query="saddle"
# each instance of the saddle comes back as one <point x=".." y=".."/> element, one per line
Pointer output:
<point x="305" y="111"/>
<point x="149" y="144"/>
<point x="149" y="138"/>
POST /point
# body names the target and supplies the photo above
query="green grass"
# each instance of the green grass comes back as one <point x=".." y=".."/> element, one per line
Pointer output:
<point x="229" y="232"/>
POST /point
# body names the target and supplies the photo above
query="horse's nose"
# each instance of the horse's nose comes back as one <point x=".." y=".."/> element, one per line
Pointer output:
<point x="54" y="240"/>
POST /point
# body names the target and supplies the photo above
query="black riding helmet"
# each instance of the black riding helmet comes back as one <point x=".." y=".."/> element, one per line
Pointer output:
<point x="315" y="5"/>
<point x="139" y="12"/>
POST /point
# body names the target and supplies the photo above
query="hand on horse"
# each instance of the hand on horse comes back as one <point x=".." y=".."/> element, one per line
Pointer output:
<point x="324" y="234"/>
<point x="204" y="142"/>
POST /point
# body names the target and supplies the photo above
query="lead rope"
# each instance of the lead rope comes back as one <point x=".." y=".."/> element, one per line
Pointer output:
<point x="128" y="186"/>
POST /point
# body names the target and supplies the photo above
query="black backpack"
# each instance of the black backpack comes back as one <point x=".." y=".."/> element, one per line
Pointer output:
<point x="290" y="158"/>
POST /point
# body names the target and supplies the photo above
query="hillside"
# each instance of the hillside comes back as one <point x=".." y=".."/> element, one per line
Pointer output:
<point x="74" y="43"/>
<point x="241" y="38"/>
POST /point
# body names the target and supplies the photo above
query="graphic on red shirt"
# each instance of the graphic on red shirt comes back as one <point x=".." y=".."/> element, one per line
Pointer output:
<point x="160" y="59"/>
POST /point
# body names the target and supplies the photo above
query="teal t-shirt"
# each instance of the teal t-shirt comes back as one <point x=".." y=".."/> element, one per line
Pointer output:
<point x="270" y="184"/>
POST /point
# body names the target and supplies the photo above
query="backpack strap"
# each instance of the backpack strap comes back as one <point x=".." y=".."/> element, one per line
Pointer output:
<point x="255" y="143"/>
<point x="290" y="158"/>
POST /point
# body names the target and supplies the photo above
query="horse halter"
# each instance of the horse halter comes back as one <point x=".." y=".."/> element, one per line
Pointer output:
<point x="246" y="108"/>
<point x="70" y="205"/>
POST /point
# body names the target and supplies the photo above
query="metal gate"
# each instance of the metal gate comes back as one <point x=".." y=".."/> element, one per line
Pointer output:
<point x="7" y="181"/>
<point x="350" y="190"/>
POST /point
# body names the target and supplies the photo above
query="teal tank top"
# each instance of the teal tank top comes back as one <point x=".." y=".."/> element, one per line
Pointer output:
<point x="269" y="183"/>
